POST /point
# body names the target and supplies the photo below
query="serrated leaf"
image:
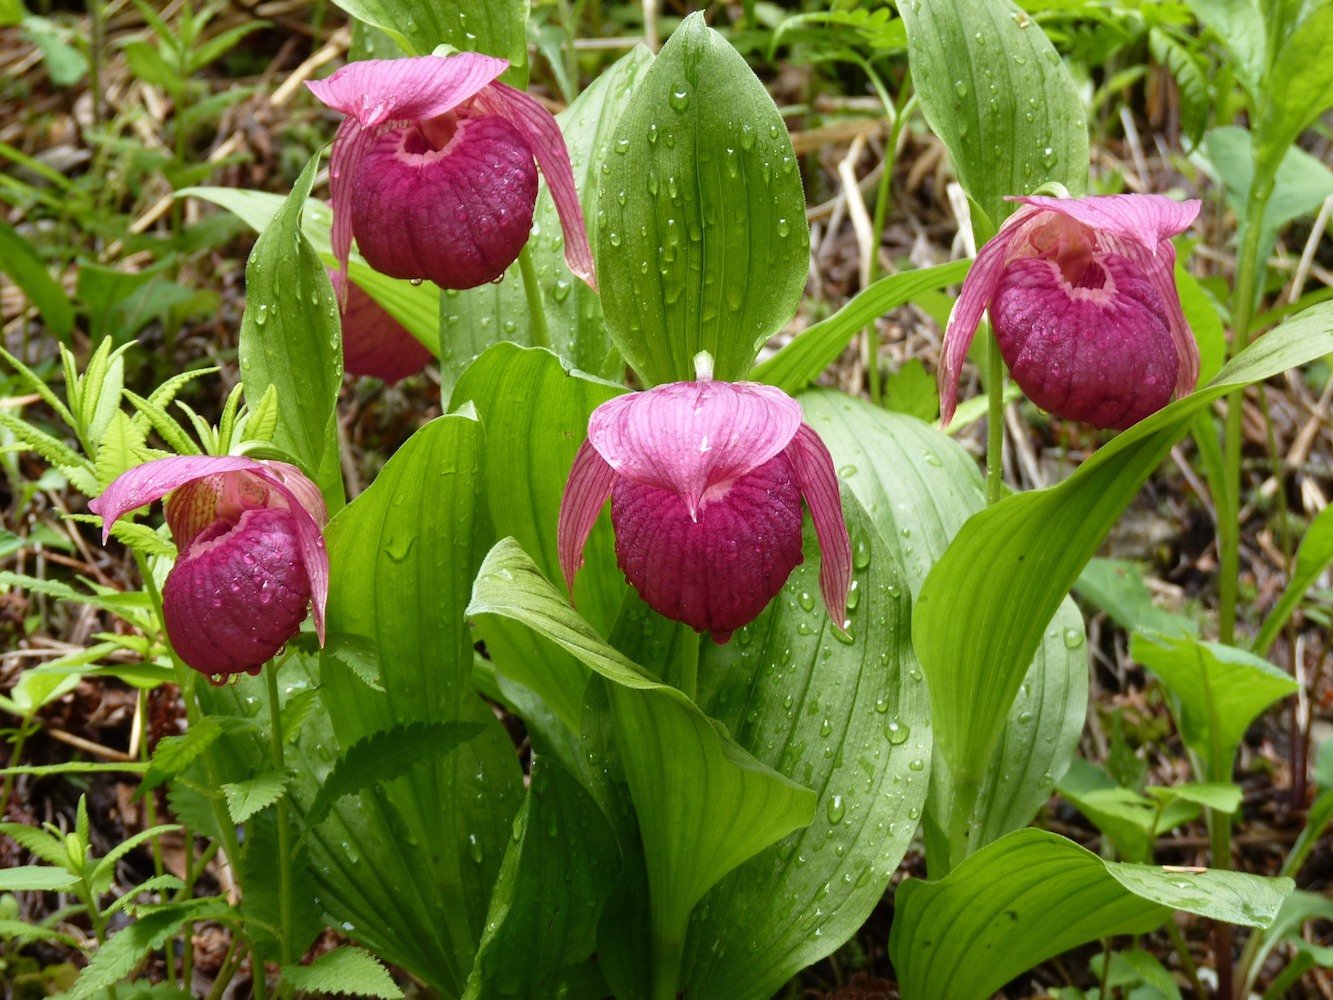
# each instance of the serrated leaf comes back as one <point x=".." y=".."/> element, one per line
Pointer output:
<point x="161" y="421"/>
<point x="343" y="970"/>
<point x="358" y="654"/>
<point x="121" y="448"/>
<point x="156" y="883"/>
<point x="384" y="756"/>
<point x="261" y="420"/>
<point x="702" y="243"/>
<point x="106" y="865"/>
<point x="35" y="878"/>
<point x="245" y="798"/>
<point x="175" y="753"/>
<point x="56" y="452"/>
<point x="36" y="841"/>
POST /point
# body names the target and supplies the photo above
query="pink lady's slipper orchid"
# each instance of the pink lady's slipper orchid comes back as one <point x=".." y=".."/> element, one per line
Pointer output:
<point x="1083" y="302"/>
<point x="251" y="555"/>
<point x="376" y="344"/>
<point x="706" y="480"/>
<point x="432" y="169"/>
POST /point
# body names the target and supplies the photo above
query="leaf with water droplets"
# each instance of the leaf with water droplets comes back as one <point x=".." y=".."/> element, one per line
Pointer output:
<point x="1030" y="131"/>
<point x="722" y="226"/>
<point x="1032" y="895"/>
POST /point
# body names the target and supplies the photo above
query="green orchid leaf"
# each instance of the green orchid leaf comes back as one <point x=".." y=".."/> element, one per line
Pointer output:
<point x="919" y="487"/>
<point x="811" y="351"/>
<point x="1032" y="895"/>
<point x="555" y="877"/>
<point x="994" y="89"/>
<point x="20" y="261"/>
<point x="535" y="412"/>
<point x="848" y="720"/>
<point x="704" y="804"/>
<point x="702" y="243"/>
<point x="289" y="339"/>
<point x="1314" y="555"/>
<point x="1011" y="565"/>
<point x="1218" y="692"/>
<point x="494" y="27"/>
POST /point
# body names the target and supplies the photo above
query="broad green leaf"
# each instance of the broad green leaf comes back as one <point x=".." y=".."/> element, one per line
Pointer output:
<point x="35" y="878"/>
<point x="1012" y="564"/>
<point x="245" y="798"/>
<point x="1116" y="586"/>
<point x="416" y="307"/>
<point x="1240" y="26"/>
<point x="704" y="804"/>
<point x="919" y="487"/>
<point x="402" y="558"/>
<point x="1300" y="184"/>
<point x="812" y="350"/>
<point x="494" y="27"/>
<point x="702" y="243"/>
<point x="548" y="897"/>
<point x="472" y="321"/>
<point x="849" y="721"/>
<point x="19" y="260"/>
<point x="1298" y="90"/>
<point x="535" y="413"/>
<point x="993" y="87"/>
<point x="343" y="971"/>
<point x="1314" y="555"/>
<point x="289" y="339"/>
<point x="1032" y="895"/>
<point x="1219" y="689"/>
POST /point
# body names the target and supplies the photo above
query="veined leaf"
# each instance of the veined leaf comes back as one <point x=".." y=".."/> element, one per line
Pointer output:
<point x="245" y="798"/>
<point x="341" y="971"/>
<point x="994" y="89"/>
<point x="35" y="878"/>
<point x="20" y="261"/>
<point x="289" y="339"/>
<point x="704" y="804"/>
<point x="1012" y="564"/>
<point x="1032" y="895"/>
<point x="702" y="243"/>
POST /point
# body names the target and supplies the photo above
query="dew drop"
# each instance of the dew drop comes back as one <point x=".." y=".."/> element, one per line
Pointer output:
<point x="679" y="99"/>
<point x="835" y="810"/>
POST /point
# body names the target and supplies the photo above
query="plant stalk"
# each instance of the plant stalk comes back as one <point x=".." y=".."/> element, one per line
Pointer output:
<point x="284" y="832"/>
<point x="541" y="334"/>
<point x="995" y="421"/>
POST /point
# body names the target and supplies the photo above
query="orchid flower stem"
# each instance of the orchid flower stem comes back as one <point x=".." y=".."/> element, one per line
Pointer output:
<point x="284" y="833"/>
<point x="184" y="679"/>
<point x="995" y="423"/>
<point x="541" y="334"/>
<point x="668" y="953"/>
<point x="1228" y="506"/>
<point x="966" y="789"/>
<point x="689" y="662"/>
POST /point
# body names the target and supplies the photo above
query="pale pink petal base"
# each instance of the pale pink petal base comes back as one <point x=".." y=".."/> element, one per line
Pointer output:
<point x="692" y="437"/>
<point x="719" y="571"/>
<point x="236" y="596"/>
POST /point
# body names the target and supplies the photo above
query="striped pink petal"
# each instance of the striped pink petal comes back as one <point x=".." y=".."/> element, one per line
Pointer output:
<point x="586" y="493"/>
<point x="813" y="464"/>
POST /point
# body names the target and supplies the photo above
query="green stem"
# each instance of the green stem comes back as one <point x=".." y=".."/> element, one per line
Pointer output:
<point x="1186" y="959"/>
<point x="995" y="422"/>
<point x="1247" y="283"/>
<point x="284" y="833"/>
<point x="541" y="334"/>
<point x="966" y="790"/>
<point x="668" y="952"/>
<point x="27" y="727"/>
<point x="688" y="658"/>
<point x="150" y="813"/>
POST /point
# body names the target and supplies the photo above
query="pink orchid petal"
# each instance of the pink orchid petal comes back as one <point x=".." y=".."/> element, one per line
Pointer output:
<point x="818" y="479"/>
<point x="978" y="287"/>
<point x="542" y="131"/>
<point x="306" y="504"/>
<point x="374" y="91"/>
<point x="349" y="146"/>
<point x="586" y="492"/>
<point x="376" y="344"/>
<point x="1147" y="219"/>
<point x="688" y="437"/>
<point x="151" y="481"/>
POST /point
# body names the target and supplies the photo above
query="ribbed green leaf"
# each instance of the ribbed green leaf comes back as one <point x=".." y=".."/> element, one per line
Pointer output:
<point x="343" y="971"/>
<point x="1032" y="895"/>
<point x="993" y="88"/>
<point x="702" y="243"/>
<point x="1012" y="564"/>
<point x="848" y="720"/>
<point x="289" y="339"/>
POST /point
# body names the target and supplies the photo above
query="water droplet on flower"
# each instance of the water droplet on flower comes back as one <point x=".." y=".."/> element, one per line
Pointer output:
<point x="415" y="282"/>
